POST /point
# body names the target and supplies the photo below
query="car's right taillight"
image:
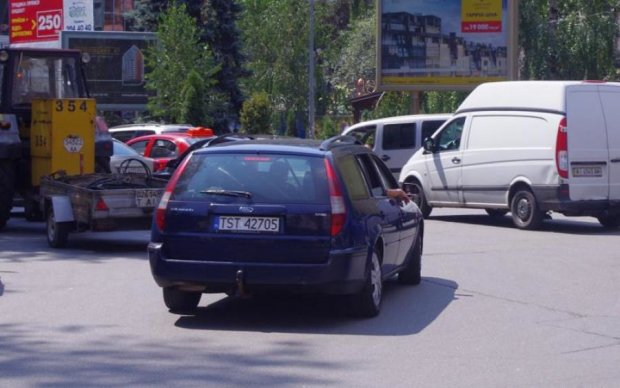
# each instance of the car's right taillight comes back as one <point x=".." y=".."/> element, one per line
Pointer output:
<point x="160" y="212"/>
<point x="336" y="199"/>
<point x="561" y="149"/>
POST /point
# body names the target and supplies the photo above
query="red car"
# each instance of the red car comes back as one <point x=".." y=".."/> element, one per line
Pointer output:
<point x="165" y="147"/>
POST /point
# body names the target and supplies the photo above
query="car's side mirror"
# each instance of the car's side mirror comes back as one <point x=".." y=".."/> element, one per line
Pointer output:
<point x="429" y="145"/>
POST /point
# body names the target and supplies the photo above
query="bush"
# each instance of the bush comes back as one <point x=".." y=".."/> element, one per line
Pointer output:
<point x="255" y="115"/>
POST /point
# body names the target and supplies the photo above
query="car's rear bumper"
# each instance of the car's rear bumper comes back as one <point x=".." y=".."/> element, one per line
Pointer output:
<point x="343" y="273"/>
<point x="557" y="199"/>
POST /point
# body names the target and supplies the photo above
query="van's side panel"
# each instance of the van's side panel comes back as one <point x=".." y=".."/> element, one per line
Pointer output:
<point x="588" y="152"/>
<point x="610" y="98"/>
<point x="504" y="147"/>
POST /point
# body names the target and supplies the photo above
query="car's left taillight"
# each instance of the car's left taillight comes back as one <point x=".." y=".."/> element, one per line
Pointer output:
<point x="160" y="212"/>
<point x="336" y="199"/>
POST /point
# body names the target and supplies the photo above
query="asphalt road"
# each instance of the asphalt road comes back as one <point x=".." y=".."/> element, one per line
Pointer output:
<point x="498" y="307"/>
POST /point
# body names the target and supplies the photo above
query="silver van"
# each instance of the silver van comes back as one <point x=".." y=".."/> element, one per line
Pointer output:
<point x="395" y="139"/>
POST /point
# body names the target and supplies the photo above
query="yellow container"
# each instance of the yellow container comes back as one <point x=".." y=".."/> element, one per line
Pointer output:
<point x="62" y="137"/>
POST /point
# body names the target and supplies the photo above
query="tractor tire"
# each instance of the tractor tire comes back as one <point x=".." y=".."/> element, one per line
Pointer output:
<point x="7" y="190"/>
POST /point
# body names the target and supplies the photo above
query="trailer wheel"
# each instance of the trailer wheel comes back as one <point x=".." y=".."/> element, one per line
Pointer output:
<point x="7" y="190"/>
<point x="57" y="232"/>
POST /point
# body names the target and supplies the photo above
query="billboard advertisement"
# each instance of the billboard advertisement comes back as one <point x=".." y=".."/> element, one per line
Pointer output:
<point x="445" y="44"/>
<point x="115" y="73"/>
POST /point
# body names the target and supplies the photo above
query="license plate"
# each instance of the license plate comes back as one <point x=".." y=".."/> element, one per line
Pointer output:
<point x="247" y="224"/>
<point x="147" y="198"/>
<point x="587" y="172"/>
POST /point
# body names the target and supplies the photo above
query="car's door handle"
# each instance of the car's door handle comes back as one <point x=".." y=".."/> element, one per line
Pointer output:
<point x="385" y="158"/>
<point x="456" y="160"/>
<point x="617" y="160"/>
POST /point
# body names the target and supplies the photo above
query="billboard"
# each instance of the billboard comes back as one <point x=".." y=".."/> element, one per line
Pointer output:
<point x="445" y="44"/>
<point x="115" y="74"/>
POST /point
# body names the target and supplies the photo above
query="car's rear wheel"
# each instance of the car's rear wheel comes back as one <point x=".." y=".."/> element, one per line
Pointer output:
<point x="414" y="188"/>
<point x="525" y="211"/>
<point x="412" y="273"/>
<point x="609" y="222"/>
<point x="496" y="213"/>
<point x="367" y="303"/>
<point x="181" y="301"/>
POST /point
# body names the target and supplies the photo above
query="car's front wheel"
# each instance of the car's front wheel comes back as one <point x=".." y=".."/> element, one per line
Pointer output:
<point x="412" y="273"/>
<point x="181" y="301"/>
<point x="367" y="303"/>
<point x="609" y="222"/>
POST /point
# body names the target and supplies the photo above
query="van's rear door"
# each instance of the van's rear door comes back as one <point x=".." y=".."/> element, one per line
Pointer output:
<point x="588" y="153"/>
<point x="610" y="98"/>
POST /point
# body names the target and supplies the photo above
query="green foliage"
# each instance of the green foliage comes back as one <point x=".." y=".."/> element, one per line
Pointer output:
<point x="255" y="115"/>
<point x="182" y="71"/>
<point x="442" y="102"/>
<point x="328" y="127"/>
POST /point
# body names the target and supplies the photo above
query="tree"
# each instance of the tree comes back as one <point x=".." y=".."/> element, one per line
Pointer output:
<point x="255" y="115"/>
<point x="182" y="70"/>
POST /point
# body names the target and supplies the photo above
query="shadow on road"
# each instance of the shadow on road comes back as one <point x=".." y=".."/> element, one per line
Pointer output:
<point x="406" y="310"/>
<point x="563" y="225"/>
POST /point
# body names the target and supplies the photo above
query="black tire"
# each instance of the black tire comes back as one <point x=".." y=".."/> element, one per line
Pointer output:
<point x="609" y="222"/>
<point x="417" y="195"/>
<point x="7" y="190"/>
<point x="412" y="273"/>
<point x="525" y="211"/>
<point x="32" y="211"/>
<point x="496" y="213"/>
<point x="367" y="303"/>
<point x="181" y="301"/>
<point x="57" y="232"/>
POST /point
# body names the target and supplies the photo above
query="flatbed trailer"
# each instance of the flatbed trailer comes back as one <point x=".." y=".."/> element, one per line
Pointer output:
<point x="97" y="202"/>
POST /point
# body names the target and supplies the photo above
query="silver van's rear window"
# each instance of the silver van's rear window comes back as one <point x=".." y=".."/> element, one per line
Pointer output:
<point x="261" y="178"/>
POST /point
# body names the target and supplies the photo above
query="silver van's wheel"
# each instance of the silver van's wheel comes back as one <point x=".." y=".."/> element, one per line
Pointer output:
<point x="367" y="303"/>
<point x="57" y="232"/>
<point x="525" y="211"/>
<point x="181" y="301"/>
<point x="496" y="213"/>
<point x="417" y="195"/>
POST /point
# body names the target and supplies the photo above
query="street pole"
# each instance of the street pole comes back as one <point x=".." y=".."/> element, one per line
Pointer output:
<point x="311" y="81"/>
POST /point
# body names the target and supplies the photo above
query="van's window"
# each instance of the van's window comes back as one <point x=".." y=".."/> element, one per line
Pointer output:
<point x="492" y="132"/>
<point x="140" y="146"/>
<point x="429" y="127"/>
<point x="353" y="178"/>
<point x="398" y="136"/>
<point x="449" y="138"/>
<point x="366" y="135"/>
<point x="372" y="176"/>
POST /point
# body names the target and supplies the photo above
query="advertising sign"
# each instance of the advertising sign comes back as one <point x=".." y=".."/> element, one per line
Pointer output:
<point x="35" y="20"/>
<point x="115" y="73"/>
<point x="445" y="44"/>
<point x="79" y="15"/>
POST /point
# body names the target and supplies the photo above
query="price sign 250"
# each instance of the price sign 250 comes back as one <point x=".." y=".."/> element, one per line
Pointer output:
<point x="49" y="23"/>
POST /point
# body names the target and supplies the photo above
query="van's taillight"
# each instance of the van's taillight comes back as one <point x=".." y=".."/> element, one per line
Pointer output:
<point x="339" y="209"/>
<point x="160" y="212"/>
<point x="561" y="150"/>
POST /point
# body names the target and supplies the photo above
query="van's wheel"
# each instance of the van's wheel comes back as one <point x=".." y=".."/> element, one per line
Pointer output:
<point x="7" y="190"/>
<point x="367" y="303"/>
<point x="57" y="232"/>
<point x="181" y="302"/>
<point x="525" y="211"/>
<point x="417" y="195"/>
<point x="412" y="273"/>
<point x="496" y="213"/>
<point x="609" y="222"/>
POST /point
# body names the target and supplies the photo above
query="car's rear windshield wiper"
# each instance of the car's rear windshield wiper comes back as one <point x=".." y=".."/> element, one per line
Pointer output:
<point x="230" y="193"/>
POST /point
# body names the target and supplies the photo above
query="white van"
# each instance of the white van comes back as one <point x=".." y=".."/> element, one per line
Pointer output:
<point x="395" y="139"/>
<point x="525" y="147"/>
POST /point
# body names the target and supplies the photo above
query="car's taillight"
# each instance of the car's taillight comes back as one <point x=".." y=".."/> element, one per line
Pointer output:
<point x="160" y="212"/>
<point x="339" y="208"/>
<point x="561" y="149"/>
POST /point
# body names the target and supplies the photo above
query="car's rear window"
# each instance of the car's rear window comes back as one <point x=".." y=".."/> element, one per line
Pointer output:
<point x="268" y="178"/>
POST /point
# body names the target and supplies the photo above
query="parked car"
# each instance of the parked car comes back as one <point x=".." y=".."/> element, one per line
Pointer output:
<point x="130" y="131"/>
<point x="165" y="147"/>
<point x="529" y="148"/>
<point x="284" y="214"/>
<point x="126" y="160"/>
<point x="395" y="139"/>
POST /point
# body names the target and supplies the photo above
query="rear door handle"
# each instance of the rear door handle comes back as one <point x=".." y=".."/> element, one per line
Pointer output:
<point x="617" y="160"/>
<point x="456" y="160"/>
<point x="385" y="158"/>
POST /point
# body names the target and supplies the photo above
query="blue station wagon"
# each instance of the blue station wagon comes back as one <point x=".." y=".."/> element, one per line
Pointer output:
<point x="284" y="214"/>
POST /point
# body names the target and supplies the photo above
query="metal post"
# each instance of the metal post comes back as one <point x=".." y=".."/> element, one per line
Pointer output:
<point x="311" y="81"/>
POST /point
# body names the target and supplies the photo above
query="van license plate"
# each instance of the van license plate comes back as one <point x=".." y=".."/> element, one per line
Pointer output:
<point x="147" y="198"/>
<point x="587" y="172"/>
<point x="247" y="224"/>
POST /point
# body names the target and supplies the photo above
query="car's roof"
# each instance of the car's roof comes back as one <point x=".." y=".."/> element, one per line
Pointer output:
<point x="172" y="136"/>
<point x="400" y="119"/>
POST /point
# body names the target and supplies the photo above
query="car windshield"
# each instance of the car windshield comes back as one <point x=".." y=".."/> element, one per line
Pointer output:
<point x="268" y="178"/>
<point x="121" y="149"/>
